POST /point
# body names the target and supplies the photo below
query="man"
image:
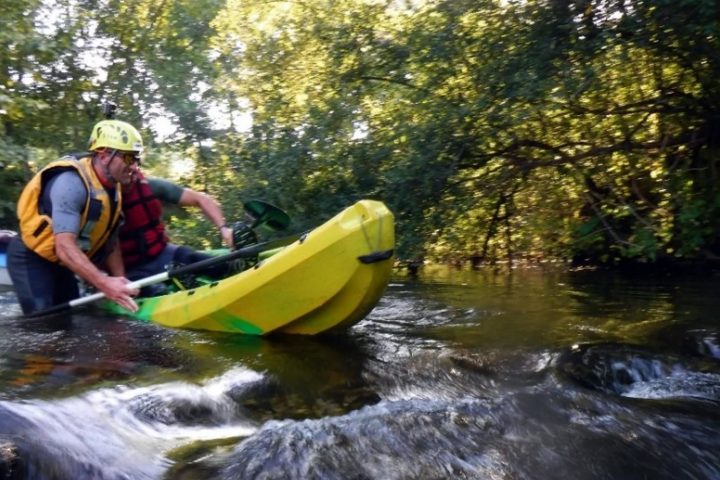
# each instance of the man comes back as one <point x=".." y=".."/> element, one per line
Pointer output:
<point x="146" y="249"/>
<point x="69" y="216"/>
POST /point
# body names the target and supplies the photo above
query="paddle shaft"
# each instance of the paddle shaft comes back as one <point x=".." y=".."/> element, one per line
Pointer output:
<point x="174" y="272"/>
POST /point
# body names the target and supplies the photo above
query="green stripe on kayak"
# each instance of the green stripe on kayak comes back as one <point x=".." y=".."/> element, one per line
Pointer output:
<point x="146" y="308"/>
<point x="235" y="324"/>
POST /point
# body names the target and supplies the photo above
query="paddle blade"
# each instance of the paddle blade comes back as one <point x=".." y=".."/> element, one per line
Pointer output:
<point x="264" y="213"/>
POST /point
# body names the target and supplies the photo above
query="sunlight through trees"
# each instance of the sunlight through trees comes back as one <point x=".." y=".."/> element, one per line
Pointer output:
<point x="495" y="130"/>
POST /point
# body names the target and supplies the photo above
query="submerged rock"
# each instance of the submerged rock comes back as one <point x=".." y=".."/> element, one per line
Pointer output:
<point x="634" y="371"/>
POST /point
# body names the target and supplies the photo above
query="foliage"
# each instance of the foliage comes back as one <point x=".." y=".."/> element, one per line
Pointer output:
<point x="493" y="129"/>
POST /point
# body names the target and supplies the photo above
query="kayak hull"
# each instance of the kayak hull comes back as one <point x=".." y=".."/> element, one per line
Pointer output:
<point x="325" y="282"/>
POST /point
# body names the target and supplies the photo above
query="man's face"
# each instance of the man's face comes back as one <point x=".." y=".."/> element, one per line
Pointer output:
<point x="122" y="166"/>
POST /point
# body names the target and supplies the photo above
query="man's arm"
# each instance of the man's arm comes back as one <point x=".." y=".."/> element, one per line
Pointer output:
<point x="67" y="196"/>
<point x="72" y="257"/>
<point x="211" y="209"/>
<point x="185" y="197"/>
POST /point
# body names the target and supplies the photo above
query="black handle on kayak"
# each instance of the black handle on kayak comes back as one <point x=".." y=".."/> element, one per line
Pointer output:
<point x="161" y="277"/>
<point x="375" y="257"/>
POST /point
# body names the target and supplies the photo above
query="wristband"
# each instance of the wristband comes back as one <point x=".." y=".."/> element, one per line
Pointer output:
<point x="224" y="225"/>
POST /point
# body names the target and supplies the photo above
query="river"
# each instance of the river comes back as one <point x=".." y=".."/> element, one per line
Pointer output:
<point x="534" y="374"/>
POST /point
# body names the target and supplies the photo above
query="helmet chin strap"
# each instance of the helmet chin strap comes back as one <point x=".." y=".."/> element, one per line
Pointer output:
<point x="110" y="180"/>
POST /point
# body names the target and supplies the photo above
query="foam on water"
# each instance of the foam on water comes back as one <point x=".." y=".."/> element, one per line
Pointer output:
<point x="125" y="430"/>
<point x="679" y="384"/>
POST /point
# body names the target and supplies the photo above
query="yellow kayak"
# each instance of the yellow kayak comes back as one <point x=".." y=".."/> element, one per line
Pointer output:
<point x="326" y="281"/>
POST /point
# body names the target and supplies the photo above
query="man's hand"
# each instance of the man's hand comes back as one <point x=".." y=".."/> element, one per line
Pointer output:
<point x="118" y="290"/>
<point x="227" y="235"/>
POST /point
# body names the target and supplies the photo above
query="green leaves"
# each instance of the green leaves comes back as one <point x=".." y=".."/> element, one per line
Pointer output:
<point x="502" y="129"/>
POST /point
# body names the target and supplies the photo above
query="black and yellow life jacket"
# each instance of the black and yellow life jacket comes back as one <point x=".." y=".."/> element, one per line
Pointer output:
<point x="99" y="217"/>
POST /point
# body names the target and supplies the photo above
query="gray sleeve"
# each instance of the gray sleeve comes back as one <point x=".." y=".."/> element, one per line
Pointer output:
<point x="68" y="196"/>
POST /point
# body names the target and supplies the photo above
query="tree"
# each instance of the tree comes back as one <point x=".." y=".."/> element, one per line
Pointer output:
<point x="493" y="129"/>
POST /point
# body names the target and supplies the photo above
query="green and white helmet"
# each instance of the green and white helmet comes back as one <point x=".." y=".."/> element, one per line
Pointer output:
<point x="117" y="135"/>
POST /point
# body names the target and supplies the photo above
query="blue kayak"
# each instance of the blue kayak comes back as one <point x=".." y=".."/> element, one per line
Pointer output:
<point x="5" y="236"/>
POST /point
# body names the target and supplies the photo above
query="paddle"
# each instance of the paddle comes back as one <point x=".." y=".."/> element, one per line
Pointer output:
<point x="175" y="272"/>
<point x="267" y="214"/>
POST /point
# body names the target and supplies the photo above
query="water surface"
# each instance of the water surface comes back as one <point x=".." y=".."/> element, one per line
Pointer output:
<point x="458" y="374"/>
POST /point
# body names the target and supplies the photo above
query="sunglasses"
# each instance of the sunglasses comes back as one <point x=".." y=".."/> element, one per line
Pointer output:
<point x="128" y="158"/>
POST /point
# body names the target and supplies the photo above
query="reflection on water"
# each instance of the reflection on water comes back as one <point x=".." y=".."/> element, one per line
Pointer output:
<point x="533" y="374"/>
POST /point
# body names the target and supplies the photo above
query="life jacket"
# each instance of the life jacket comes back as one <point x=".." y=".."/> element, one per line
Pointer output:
<point x="98" y="220"/>
<point x="142" y="236"/>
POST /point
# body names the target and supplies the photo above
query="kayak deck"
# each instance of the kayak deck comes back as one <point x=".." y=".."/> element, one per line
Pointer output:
<point x="327" y="281"/>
